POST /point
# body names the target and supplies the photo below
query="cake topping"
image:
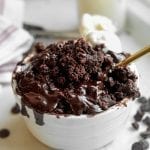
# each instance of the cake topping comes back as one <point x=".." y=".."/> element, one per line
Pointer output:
<point x="73" y="77"/>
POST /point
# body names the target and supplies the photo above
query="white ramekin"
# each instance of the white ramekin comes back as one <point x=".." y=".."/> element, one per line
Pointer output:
<point x="79" y="132"/>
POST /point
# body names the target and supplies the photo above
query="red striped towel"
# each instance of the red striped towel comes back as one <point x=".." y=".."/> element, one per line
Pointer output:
<point x="13" y="43"/>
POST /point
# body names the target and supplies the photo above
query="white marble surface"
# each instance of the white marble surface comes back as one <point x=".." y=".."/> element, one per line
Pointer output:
<point x="21" y="139"/>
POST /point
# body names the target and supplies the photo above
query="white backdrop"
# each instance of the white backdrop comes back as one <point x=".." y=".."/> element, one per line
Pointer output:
<point x="52" y="14"/>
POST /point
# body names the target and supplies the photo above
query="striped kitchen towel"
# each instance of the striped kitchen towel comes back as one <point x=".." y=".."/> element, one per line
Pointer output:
<point x="13" y="43"/>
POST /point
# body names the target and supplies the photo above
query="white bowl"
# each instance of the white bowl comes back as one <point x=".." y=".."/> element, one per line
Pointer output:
<point x="79" y="132"/>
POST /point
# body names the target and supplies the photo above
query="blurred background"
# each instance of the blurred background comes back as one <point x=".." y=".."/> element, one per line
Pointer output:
<point x="132" y="16"/>
<point x="23" y="22"/>
<point x="64" y="15"/>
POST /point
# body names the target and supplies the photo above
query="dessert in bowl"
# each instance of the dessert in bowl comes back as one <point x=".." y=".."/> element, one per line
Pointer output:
<point x="72" y="95"/>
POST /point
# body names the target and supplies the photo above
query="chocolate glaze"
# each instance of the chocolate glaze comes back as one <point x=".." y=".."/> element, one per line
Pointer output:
<point x="38" y="118"/>
<point x="73" y="77"/>
<point x="23" y="110"/>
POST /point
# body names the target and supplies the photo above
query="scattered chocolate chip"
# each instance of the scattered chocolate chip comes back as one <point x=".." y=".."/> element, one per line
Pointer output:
<point x="145" y="134"/>
<point x="145" y="107"/>
<point x="39" y="118"/>
<point x="15" y="109"/>
<point x="141" y="145"/>
<point x="146" y="121"/>
<point x="148" y="128"/>
<point x="139" y="115"/>
<point x="135" y="125"/>
<point x="4" y="133"/>
<point x="142" y="100"/>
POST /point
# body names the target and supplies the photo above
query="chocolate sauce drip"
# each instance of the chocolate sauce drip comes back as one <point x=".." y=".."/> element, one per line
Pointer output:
<point x="38" y="118"/>
<point x="24" y="110"/>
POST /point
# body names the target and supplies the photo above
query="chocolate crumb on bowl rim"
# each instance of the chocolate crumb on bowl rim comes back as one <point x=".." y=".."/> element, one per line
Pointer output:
<point x="105" y="60"/>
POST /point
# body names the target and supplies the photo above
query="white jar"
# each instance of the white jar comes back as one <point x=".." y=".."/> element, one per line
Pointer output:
<point x="55" y="15"/>
<point x="113" y="9"/>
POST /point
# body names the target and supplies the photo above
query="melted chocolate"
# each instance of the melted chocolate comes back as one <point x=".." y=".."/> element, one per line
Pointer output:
<point x="23" y="110"/>
<point x="38" y="118"/>
<point x="73" y="77"/>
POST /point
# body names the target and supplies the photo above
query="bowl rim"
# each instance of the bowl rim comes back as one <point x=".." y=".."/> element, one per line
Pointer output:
<point x="122" y="104"/>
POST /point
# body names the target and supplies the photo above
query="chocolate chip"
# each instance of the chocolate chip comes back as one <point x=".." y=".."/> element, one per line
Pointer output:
<point x="146" y="121"/>
<point x="139" y="115"/>
<point x="145" y="107"/>
<point x="4" y="133"/>
<point x="15" y="109"/>
<point x="148" y="128"/>
<point x="135" y="125"/>
<point x="145" y="134"/>
<point x="142" y="100"/>
<point x="141" y="145"/>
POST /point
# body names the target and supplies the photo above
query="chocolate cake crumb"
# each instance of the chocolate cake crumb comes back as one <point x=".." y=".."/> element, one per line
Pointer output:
<point x="15" y="109"/>
<point x="148" y="128"/>
<point x="74" y="77"/>
<point x="39" y="47"/>
<point x="4" y="133"/>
